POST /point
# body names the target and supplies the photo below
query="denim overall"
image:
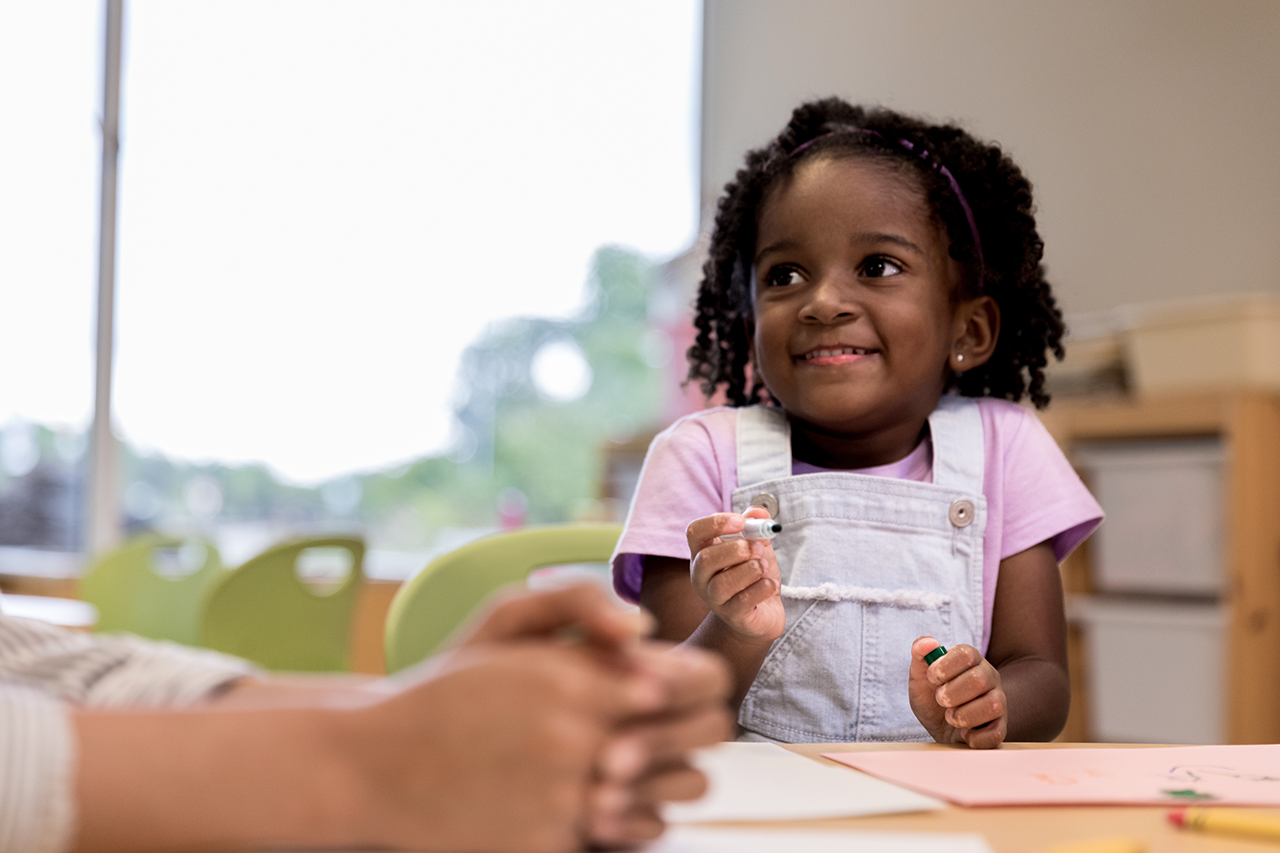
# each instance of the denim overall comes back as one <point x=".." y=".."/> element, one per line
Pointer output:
<point x="868" y="564"/>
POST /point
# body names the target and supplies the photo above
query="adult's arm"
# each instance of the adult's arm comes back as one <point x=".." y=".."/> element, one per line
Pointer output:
<point x="514" y="741"/>
<point x="491" y="750"/>
<point x="108" y="670"/>
<point x="43" y="670"/>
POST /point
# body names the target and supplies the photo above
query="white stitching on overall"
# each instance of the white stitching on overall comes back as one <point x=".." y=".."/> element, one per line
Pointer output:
<point x="868" y="564"/>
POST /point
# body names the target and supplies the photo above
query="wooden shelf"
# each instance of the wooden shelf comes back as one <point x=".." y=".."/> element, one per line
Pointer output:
<point x="1249" y="424"/>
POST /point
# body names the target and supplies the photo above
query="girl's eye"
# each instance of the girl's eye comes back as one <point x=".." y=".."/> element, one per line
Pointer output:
<point x="880" y="267"/>
<point x="782" y="276"/>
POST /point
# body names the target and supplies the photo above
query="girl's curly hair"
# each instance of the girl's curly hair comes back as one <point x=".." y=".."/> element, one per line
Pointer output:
<point x="998" y="195"/>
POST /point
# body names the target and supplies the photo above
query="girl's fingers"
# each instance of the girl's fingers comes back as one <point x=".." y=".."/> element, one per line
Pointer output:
<point x="983" y="710"/>
<point x="987" y="737"/>
<point x="958" y="659"/>
<point x="919" y="648"/>
<point x="969" y="695"/>
<point x="733" y="577"/>
<point x="718" y="562"/>
<point x="716" y="558"/>
<point x="968" y="685"/>
<point x="732" y="581"/>
<point x="738" y="607"/>
<point x="703" y="531"/>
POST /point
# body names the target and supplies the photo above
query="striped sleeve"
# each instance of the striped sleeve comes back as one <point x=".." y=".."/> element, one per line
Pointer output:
<point x="36" y="745"/>
<point x="44" y="669"/>
<point x="110" y="671"/>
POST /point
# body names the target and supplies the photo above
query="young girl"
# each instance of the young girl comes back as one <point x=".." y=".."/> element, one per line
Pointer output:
<point x="872" y="308"/>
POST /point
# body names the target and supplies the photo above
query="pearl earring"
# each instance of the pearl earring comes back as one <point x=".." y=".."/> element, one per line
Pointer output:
<point x="959" y="357"/>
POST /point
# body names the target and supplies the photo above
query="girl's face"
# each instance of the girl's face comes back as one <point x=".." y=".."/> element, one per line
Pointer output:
<point x="855" y="325"/>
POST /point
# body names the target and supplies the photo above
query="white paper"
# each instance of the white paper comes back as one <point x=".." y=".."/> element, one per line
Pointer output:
<point x="688" y="839"/>
<point x="762" y="781"/>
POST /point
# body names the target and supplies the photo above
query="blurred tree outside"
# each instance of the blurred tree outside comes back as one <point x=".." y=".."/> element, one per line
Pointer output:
<point x="537" y="401"/>
<point x="533" y="425"/>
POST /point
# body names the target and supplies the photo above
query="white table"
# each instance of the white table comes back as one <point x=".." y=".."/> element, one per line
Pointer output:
<point x="65" y="612"/>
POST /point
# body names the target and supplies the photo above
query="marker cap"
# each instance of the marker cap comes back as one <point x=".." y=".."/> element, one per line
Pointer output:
<point x="935" y="654"/>
<point x="755" y="528"/>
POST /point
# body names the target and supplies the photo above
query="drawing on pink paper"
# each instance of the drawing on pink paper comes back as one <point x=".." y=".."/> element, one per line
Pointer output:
<point x="1227" y="775"/>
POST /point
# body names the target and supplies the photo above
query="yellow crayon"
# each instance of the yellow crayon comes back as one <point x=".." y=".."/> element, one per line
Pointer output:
<point x="1103" y="845"/>
<point x="1244" y="822"/>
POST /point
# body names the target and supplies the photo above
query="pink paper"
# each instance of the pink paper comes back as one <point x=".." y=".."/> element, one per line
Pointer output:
<point x="1220" y="775"/>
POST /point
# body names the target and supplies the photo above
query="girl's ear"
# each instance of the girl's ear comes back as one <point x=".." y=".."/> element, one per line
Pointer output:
<point x="977" y="327"/>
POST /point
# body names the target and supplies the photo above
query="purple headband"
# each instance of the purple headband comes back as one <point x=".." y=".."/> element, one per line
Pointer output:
<point x="924" y="155"/>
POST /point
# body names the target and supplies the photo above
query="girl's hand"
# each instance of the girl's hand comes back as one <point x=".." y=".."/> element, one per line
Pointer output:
<point x="738" y="580"/>
<point x="958" y="698"/>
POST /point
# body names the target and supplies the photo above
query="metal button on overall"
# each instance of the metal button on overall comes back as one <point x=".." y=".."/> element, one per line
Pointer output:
<point x="961" y="513"/>
<point x="767" y="501"/>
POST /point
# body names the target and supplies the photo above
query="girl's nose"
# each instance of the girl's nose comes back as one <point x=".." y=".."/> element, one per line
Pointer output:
<point x="830" y="301"/>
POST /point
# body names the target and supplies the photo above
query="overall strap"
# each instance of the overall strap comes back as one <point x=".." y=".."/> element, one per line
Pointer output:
<point x="764" y="444"/>
<point x="959" y="458"/>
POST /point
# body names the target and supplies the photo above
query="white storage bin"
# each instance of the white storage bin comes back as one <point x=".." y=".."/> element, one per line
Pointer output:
<point x="1156" y="671"/>
<point x="1165" y="530"/>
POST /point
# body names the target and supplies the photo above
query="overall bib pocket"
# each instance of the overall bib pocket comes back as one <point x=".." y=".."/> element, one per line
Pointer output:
<point x="802" y="692"/>
<point x="839" y="673"/>
<point x="889" y="629"/>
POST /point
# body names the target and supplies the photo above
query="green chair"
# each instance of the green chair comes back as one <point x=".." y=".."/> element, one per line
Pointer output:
<point x="265" y="612"/>
<point x="431" y="605"/>
<point x="153" y="586"/>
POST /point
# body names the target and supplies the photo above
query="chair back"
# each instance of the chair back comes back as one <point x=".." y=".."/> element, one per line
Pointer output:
<point x="435" y="602"/>
<point x="265" y="612"/>
<point x="153" y="586"/>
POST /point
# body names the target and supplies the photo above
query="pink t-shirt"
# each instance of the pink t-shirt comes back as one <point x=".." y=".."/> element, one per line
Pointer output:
<point x="1032" y="493"/>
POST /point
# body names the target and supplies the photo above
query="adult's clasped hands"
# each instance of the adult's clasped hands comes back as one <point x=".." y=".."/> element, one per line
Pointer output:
<point x="552" y="725"/>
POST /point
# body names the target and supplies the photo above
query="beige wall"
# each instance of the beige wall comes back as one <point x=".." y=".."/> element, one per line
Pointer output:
<point x="1150" y="128"/>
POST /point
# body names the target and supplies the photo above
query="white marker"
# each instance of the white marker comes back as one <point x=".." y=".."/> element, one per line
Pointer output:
<point x="757" y="528"/>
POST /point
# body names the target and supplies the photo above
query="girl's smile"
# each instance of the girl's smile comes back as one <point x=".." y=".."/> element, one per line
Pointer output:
<point x="856" y="319"/>
<point x="835" y="355"/>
